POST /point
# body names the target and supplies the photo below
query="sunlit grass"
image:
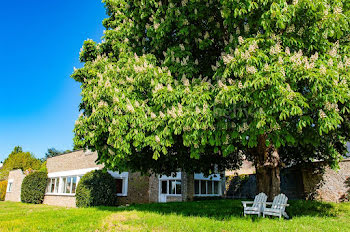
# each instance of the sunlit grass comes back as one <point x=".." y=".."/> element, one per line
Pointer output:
<point x="218" y="215"/>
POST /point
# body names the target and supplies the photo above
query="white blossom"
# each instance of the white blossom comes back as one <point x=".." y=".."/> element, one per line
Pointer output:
<point x="323" y="70"/>
<point x="157" y="139"/>
<point x="337" y="10"/>
<point x="322" y="114"/>
<point x="251" y="69"/>
<point x="240" y="40"/>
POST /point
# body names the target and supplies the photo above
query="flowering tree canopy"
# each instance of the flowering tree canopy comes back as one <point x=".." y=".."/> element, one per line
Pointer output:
<point x="202" y="84"/>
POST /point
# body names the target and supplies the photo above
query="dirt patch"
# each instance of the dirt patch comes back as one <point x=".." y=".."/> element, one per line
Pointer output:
<point x="119" y="222"/>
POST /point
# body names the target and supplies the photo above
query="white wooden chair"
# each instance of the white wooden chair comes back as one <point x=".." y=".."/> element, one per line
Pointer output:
<point x="257" y="205"/>
<point x="278" y="206"/>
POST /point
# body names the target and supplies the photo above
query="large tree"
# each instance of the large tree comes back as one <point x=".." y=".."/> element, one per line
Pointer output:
<point x="200" y="85"/>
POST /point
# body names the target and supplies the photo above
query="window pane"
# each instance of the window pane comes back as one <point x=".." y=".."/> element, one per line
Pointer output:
<point x="119" y="183"/>
<point x="216" y="187"/>
<point x="64" y="179"/>
<point x="172" y="186"/>
<point x="210" y="187"/>
<point x="74" y="184"/>
<point x="57" y="185"/>
<point x="10" y="187"/>
<point x="68" y="188"/>
<point x="164" y="187"/>
<point x="178" y="187"/>
<point x="196" y="187"/>
<point x="52" y="185"/>
<point x="203" y="187"/>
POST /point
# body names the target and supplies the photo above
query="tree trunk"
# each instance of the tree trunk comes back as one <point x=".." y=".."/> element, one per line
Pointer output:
<point x="267" y="164"/>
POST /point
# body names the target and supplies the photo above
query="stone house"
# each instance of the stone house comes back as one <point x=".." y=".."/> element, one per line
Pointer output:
<point x="65" y="171"/>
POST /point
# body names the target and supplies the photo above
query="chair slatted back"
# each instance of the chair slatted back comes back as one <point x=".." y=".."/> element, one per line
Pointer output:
<point x="260" y="198"/>
<point x="278" y="201"/>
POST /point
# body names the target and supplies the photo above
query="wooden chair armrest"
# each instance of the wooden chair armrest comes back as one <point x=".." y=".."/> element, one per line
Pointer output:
<point x="247" y="202"/>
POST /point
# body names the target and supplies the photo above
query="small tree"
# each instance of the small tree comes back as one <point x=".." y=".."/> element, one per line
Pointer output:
<point x="33" y="188"/>
<point x="3" y="188"/>
<point x="96" y="188"/>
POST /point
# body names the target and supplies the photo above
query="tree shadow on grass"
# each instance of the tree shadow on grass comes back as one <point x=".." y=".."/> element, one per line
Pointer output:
<point x="226" y="209"/>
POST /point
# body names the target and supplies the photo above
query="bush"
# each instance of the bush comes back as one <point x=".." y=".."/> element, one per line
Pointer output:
<point x="3" y="187"/>
<point x="33" y="188"/>
<point x="96" y="188"/>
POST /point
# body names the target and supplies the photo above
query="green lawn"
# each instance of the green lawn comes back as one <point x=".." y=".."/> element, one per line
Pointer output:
<point x="216" y="215"/>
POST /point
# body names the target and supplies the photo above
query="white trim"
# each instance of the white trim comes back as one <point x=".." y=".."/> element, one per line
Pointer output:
<point x="125" y="177"/>
<point x="78" y="172"/>
<point x="164" y="177"/>
<point x="200" y="176"/>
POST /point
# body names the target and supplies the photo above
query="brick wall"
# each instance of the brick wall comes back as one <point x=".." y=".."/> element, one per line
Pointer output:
<point x="17" y="176"/>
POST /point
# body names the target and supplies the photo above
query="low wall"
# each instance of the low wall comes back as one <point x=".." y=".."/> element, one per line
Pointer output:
<point x="313" y="183"/>
<point x="60" y="200"/>
<point x="327" y="185"/>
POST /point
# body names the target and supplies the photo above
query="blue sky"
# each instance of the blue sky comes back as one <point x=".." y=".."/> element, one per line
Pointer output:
<point x="39" y="46"/>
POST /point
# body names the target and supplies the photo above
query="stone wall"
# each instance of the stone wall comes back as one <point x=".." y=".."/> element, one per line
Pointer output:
<point x="60" y="200"/>
<point x="327" y="185"/>
<point x="72" y="161"/>
<point x="17" y="176"/>
<point x="187" y="186"/>
<point x="138" y="190"/>
<point x="153" y="188"/>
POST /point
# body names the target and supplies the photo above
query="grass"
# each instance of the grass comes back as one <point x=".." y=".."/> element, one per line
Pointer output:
<point x="216" y="215"/>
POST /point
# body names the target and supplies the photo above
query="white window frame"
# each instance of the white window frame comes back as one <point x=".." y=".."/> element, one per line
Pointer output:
<point x="9" y="186"/>
<point x="61" y="186"/>
<point x="214" y="178"/>
<point x="123" y="176"/>
<point x="177" y="177"/>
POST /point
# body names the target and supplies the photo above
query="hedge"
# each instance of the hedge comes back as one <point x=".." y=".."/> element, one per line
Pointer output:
<point x="33" y="188"/>
<point x="3" y="188"/>
<point x="96" y="188"/>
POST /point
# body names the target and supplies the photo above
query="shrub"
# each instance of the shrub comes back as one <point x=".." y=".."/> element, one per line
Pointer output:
<point x="33" y="188"/>
<point x="96" y="188"/>
<point x="3" y="187"/>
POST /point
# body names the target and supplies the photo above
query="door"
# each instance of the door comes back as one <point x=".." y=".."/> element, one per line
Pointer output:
<point x="163" y="191"/>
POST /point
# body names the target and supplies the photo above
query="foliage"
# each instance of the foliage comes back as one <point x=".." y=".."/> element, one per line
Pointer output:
<point x="33" y="187"/>
<point x="52" y="152"/>
<point x="3" y="188"/>
<point x="19" y="160"/>
<point x="96" y="188"/>
<point x="195" y="84"/>
<point x="220" y="215"/>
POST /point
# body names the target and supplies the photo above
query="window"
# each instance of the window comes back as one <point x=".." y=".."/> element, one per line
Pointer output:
<point x="206" y="187"/>
<point x="119" y="189"/>
<point x="164" y="187"/>
<point x="196" y="187"/>
<point x="172" y="187"/>
<point x="63" y="185"/>
<point x="9" y="186"/>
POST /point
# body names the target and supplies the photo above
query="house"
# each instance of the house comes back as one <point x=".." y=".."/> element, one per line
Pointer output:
<point x="65" y="171"/>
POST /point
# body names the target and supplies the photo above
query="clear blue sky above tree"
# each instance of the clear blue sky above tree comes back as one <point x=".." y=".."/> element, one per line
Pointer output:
<point x="40" y="42"/>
